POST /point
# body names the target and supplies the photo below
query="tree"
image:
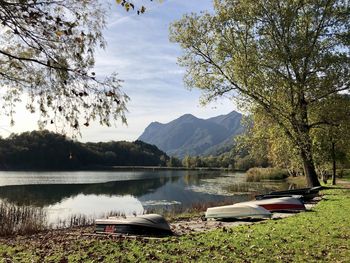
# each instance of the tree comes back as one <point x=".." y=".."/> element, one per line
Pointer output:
<point x="267" y="143"/>
<point x="47" y="53"/>
<point x="284" y="56"/>
<point x="174" y="162"/>
<point x="331" y="138"/>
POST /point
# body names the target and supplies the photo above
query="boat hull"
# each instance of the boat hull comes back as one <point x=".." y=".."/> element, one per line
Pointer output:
<point x="131" y="230"/>
<point x="281" y="204"/>
<point x="306" y="193"/>
<point x="149" y="225"/>
<point x="237" y="211"/>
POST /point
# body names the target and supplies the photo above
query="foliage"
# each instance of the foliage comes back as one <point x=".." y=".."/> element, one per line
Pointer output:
<point x="346" y="174"/>
<point x="174" y="162"/>
<point x="129" y="5"/>
<point x="237" y="158"/>
<point x="46" y="150"/>
<point x="47" y="55"/>
<point x="223" y="161"/>
<point x="265" y="139"/>
<point x="244" y="163"/>
<point x="331" y="138"/>
<point x="257" y="174"/>
<point x="282" y="56"/>
<point x="318" y="236"/>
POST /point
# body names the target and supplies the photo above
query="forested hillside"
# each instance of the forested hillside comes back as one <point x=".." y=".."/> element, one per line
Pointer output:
<point x="47" y="150"/>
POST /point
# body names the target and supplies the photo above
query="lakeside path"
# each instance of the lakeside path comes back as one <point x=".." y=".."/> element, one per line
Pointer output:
<point x="320" y="235"/>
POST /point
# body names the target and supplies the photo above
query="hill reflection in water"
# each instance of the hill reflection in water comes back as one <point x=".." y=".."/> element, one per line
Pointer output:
<point x="127" y="192"/>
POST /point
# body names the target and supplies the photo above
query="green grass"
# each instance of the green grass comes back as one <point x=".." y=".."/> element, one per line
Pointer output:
<point x="321" y="235"/>
<point x="257" y="174"/>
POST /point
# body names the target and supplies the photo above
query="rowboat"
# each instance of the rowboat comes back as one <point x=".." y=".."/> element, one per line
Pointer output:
<point x="148" y="225"/>
<point x="279" y="204"/>
<point x="268" y="196"/>
<point x="306" y="193"/>
<point x="256" y="209"/>
<point x="238" y="211"/>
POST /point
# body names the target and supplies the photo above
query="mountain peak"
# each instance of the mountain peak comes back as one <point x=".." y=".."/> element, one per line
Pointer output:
<point x="194" y="136"/>
<point x="187" y="117"/>
<point x="156" y="123"/>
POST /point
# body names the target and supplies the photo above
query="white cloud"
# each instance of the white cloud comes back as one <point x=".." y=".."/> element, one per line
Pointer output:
<point x="140" y="52"/>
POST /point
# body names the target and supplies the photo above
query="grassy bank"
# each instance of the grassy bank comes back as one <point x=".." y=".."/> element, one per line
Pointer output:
<point x="321" y="235"/>
<point x="257" y="174"/>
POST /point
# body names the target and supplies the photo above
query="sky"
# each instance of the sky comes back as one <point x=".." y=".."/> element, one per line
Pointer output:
<point x="139" y="50"/>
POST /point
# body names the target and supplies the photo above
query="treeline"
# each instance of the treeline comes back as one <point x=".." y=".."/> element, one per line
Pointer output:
<point x="45" y="150"/>
<point x="237" y="158"/>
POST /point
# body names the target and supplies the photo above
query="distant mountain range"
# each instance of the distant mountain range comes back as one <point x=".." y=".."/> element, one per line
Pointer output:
<point x="189" y="135"/>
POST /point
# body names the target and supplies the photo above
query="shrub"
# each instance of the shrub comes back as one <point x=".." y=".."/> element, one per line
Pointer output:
<point x="258" y="174"/>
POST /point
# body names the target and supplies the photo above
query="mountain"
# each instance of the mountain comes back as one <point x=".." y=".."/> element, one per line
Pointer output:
<point x="189" y="135"/>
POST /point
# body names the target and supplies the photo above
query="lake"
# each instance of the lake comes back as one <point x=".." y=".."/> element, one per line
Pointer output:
<point x="95" y="193"/>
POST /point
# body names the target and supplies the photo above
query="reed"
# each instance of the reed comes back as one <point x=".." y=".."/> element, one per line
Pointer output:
<point x="76" y="220"/>
<point x="21" y="219"/>
<point x="81" y="220"/>
<point x="257" y="174"/>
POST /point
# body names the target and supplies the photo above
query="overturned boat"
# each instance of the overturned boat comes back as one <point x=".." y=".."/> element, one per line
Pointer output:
<point x="256" y="209"/>
<point x="279" y="204"/>
<point x="306" y="193"/>
<point x="147" y="225"/>
<point x="268" y="196"/>
<point x="237" y="211"/>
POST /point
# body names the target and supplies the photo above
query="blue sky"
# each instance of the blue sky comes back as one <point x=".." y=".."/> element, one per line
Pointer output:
<point x="138" y="49"/>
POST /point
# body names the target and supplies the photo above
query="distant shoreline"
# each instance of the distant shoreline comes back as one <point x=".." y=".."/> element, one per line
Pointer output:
<point x="121" y="168"/>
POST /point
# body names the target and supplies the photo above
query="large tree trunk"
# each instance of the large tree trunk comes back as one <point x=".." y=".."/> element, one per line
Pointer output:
<point x="309" y="169"/>
<point x="303" y="129"/>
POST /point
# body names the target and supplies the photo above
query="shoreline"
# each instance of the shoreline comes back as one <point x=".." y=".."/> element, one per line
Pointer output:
<point x="291" y="239"/>
<point x="185" y="223"/>
<point x="122" y="168"/>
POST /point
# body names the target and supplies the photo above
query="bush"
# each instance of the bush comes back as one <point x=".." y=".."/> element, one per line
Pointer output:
<point x="244" y="163"/>
<point x="258" y="174"/>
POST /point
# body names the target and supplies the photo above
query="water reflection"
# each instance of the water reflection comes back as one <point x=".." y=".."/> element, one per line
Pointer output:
<point x="93" y="206"/>
<point x="48" y="194"/>
<point x="64" y="194"/>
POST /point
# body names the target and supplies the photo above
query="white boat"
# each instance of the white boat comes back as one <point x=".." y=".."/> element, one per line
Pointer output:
<point x="151" y="224"/>
<point x="280" y="204"/>
<point x="238" y="210"/>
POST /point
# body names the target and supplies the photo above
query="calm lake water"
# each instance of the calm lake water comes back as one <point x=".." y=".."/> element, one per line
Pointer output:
<point x="95" y="193"/>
